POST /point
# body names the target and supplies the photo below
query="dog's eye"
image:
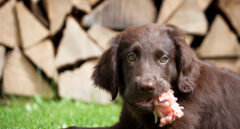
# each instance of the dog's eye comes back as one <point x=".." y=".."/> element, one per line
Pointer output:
<point x="131" y="56"/>
<point x="164" y="59"/>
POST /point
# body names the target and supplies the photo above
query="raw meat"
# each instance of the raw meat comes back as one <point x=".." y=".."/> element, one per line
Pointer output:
<point x="166" y="107"/>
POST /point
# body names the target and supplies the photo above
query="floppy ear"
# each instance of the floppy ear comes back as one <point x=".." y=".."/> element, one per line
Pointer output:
<point x="188" y="63"/>
<point x="105" y="74"/>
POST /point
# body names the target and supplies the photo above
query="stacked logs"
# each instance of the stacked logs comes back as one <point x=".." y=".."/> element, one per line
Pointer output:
<point x="56" y="43"/>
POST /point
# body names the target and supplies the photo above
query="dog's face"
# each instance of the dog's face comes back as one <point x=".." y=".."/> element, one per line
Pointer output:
<point x="145" y="61"/>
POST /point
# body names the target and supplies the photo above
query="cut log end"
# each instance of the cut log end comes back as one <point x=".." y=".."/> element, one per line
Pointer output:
<point x="78" y="85"/>
<point x="21" y="78"/>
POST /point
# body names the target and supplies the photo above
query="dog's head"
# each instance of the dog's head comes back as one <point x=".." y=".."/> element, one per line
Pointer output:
<point x="145" y="61"/>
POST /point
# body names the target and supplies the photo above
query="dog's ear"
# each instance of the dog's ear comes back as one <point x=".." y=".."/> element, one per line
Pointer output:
<point x="106" y="72"/>
<point x="187" y="62"/>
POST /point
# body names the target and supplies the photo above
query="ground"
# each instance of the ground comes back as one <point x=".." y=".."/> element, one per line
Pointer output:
<point x="36" y="113"/>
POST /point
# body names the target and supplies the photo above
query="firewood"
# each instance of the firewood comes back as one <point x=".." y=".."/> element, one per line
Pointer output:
<point x="230" y="64"/>
<point x="203" y="4"/>
<point x="77" y="84"/>
<point x="83" y="5"/>
<point x="220" y="41"/>
<point x="8" y="25"/>
<point x="168" y="8"/>
<point x="119" y="14"/>
<point x="31" y="30"/>
<point x="35" y="1"/>
<point x="42" y="55"/>
<point x="189" y="39"/>
<point x="93" y="2"/>
<point x="190" y="18"/>
<point x="102" y="35"/>
<point x="232" y="8"/>
<point x="75" y="45"/>
<point x="21" y="78"/>
<point x="38" y="13"/>
<point x="57" y="11"/>
<point x="2" y="59"/>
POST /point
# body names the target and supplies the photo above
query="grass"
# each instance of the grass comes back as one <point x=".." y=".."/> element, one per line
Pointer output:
<point x="38" y="113"/>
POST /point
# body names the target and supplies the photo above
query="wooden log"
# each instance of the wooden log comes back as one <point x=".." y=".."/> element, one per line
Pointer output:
<point x="220" y="41"/>
<point x="189" y="39"/>
<point x="232" y="8"/>
<point x="38" y="13"/>
<point x="83" y="5"/>
<point x="190" y="18"/>
<point x="57" y="11"/>
<point x="21" y="78"/>
<point x="102" y="35"/>
<point x="203" y="4"/>
<point x="119" y="14"/>
<point x="168" y="8"/>
<point x="8" y="25"/>
<point x="77" y="84"/>
<point x="42" y="55"/>
<point x="2" y="59"/>
<point x="93" y="2"/>
<point x="35" y="1"/>
<point x="230" y="64"/>
<point x="75" y="45"/>
<point x="31" y="30"/>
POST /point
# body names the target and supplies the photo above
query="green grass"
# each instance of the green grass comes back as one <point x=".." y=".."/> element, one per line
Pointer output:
<point x="22" y="113"/>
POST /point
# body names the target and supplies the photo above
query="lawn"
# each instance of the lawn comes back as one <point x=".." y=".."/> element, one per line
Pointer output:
<point x="36" y="113"/>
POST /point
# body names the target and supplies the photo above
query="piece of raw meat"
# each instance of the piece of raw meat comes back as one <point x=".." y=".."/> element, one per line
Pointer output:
<point x="166" y="107"/>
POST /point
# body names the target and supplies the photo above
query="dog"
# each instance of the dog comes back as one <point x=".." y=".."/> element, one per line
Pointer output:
<point x="145" y="61"/>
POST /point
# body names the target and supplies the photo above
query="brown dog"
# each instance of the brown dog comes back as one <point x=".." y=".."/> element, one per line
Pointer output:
<point x="145" y="61"/>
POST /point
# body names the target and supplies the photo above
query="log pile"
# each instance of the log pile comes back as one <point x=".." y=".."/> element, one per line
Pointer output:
<point x="44" y="41"/>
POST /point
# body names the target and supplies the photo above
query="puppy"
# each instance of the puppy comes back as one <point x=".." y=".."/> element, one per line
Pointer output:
<point x="145" y="61"/>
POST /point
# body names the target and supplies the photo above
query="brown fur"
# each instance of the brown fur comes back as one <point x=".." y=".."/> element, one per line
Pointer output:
<point x="210" y="96"/>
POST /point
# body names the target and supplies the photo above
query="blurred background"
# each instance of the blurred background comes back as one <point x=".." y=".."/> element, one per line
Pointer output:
<point x="48" y="49"/>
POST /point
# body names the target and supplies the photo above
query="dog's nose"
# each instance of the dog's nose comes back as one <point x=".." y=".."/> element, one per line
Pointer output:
<point x="146" y="85"/>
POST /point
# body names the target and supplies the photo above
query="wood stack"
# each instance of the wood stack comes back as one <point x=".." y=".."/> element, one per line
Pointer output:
<point x="61" y="40"/>
<point x="2" y="59"/>
<point x="219" y="42"/>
